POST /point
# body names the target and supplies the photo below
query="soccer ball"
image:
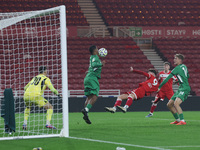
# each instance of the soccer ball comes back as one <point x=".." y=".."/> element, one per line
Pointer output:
<point x="103" y="52"/>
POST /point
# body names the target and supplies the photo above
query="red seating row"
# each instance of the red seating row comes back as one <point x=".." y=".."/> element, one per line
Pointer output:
<point x="74" y="15"/>
<point x="149" y="13"/>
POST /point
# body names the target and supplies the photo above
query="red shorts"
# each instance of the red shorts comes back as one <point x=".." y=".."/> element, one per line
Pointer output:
<point x="138" y="93"/>
<point x="162" y="94"/>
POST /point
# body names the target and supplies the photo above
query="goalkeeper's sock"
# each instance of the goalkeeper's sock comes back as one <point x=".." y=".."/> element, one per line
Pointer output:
<point x="26" y="114"/>
<point x="88" y="107"/>
<point x="118" y="102"/>
<point x="49" y="115"/>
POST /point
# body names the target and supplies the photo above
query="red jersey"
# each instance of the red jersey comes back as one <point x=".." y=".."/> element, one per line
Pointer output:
<point x="150" y="85"/>
<point x="168" y="86"/>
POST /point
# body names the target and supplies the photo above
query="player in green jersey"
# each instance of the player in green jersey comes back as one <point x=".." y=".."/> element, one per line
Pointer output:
<point x="91" y="82"/>
<point x="181" y="72"/>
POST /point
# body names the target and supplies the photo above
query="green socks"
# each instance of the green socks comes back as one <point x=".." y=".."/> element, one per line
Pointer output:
<point x="176" y="116"/>
<point x="88" y="107"/>
<point x="181" y="116"/>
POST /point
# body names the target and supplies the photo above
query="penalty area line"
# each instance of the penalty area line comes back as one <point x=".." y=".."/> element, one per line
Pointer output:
<point x="124" y="144"/>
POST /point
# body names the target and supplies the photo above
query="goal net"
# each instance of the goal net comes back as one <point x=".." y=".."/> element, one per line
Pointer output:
<point x="29" y="40"/>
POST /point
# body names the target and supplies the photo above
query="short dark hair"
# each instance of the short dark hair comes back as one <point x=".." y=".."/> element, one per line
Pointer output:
<point x="42" y="69"/>
<point x="92" y="48"/>
<point x="153" y="70"/>
<point x="180" y="56"/>
<point x="168" y="63"/>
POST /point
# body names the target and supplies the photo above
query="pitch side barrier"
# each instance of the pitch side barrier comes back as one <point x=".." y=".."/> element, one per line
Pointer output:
<point x="77" y="103"/>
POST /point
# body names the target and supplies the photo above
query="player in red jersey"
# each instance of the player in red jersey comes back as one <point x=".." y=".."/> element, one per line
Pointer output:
<point x="144" y="89"/>
<point x="166" y="90"/>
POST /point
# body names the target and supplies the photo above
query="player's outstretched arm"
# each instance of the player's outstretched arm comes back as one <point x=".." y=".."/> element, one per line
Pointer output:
<point x="50" y="86"/>
<point x="140" y="72"/>
<point x="165" y="81"/>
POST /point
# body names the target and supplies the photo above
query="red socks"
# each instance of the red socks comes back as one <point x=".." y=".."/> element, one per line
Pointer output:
<point x="129" y="101"/>
<point x="118" y="102"/>
<point x="153" y="107"/>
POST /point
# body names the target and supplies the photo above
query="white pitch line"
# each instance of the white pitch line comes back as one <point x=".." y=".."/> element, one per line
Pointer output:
<point x="124" y="144"/>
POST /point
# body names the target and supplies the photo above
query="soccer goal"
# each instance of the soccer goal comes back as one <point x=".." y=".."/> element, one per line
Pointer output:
<point x="29" y="40"/>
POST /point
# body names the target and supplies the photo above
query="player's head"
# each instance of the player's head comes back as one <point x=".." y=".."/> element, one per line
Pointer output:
<point x="93" y="50"/>
<point x="178" y="59"/>
<point x="152" y="71"/>
<point x="166" y="66"/>
<point x="43" y="70"/>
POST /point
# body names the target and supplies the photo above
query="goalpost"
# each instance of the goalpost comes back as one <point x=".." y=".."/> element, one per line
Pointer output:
<point x="29" y="40"/>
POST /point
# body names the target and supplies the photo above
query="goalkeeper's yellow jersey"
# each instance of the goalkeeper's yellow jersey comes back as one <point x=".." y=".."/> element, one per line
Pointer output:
<point x="37" y="86"/>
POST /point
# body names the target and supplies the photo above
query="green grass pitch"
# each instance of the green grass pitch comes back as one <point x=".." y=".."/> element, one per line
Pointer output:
<point x="130" y="130"/>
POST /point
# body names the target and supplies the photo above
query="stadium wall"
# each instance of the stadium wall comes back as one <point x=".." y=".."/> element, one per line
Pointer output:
<point x="76" y="104"/>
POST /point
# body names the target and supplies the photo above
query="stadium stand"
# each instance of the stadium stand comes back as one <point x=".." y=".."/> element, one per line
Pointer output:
<point x="187" y="46"/>
<point x="74" y="15"/>
<point x="149" y="12"/>
<point x="122" y="53"/>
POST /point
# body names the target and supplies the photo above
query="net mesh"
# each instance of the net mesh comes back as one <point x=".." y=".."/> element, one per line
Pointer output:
<point x="32" y="39"/>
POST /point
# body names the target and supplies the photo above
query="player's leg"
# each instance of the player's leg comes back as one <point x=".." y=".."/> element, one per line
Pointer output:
<point x="181" y="97"/>
<point x="177" y="103"/>
<point x="91" y="99"/>
<point x="154" y="105"/>
<point x="26" y="115"/>
<point x="42" y="102"/>
<point x="27" y="110"/>
<point x="134" y="95"/>
<point x="129" y="102"/>
<point x="90" y="102"/>
<point x="91" y="91"/>
<point x="117" y="103"/>
<point x="49" y="114"/>
<point x="171" y="107"/>
<point x="87" y="100"/>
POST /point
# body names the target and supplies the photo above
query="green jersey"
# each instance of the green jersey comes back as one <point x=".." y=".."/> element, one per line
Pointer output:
<point x="181" y="72"/>
<point x="95" y="67"/>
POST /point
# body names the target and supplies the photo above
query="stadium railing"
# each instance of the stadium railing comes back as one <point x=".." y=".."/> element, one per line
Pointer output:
<point x="102" y="93"/>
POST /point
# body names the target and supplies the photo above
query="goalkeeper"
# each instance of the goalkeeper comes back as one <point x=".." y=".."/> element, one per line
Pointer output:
<point x="33" y="95"/>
